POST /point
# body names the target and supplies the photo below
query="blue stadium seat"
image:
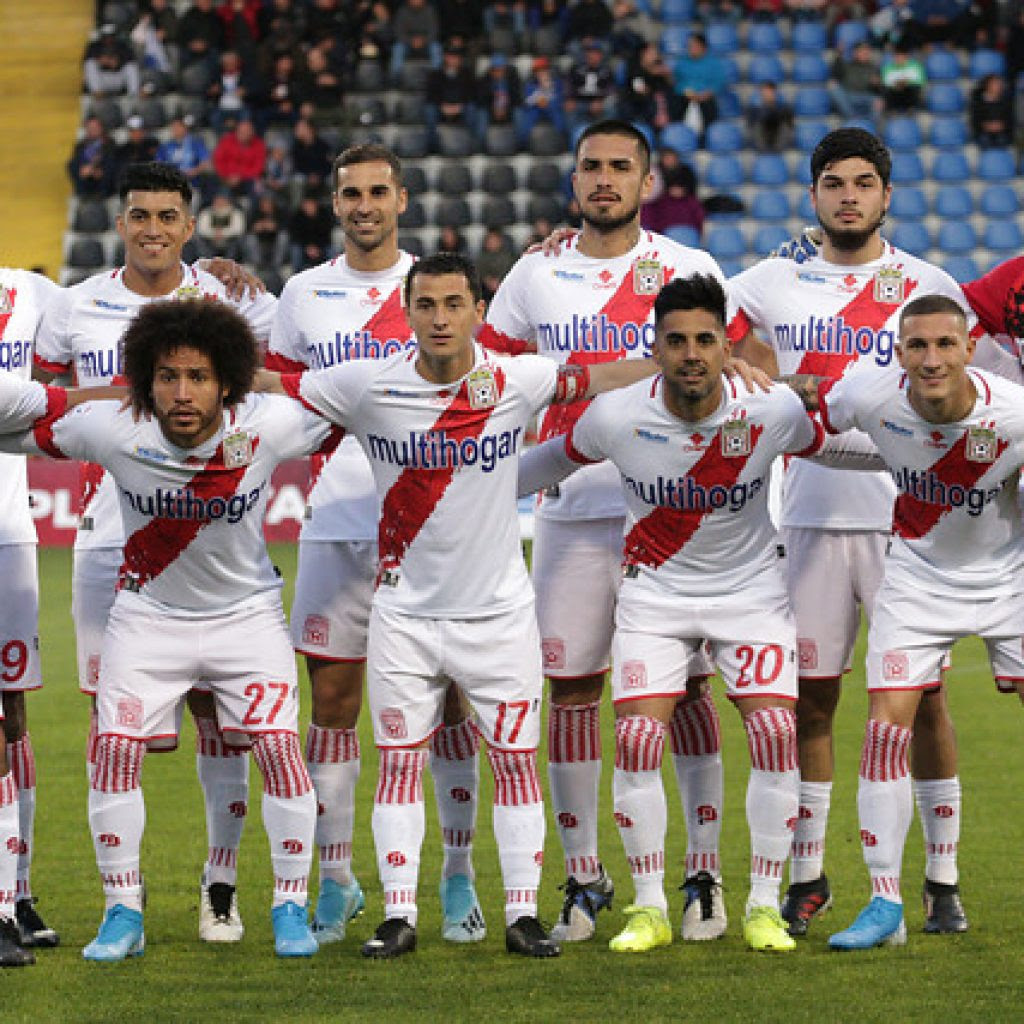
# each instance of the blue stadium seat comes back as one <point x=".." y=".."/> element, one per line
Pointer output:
<point x="809" y="36"/>
<point x="729" y="104"/>
<point x="810" y="69"/>
<point x="942" y="66"/>
<point x="769" y="237"/>
<point x="912" y="236"/>
<point x="999" y="201"/>
<point x="908" y="203"/>
<point x="953" y="201"/>
<point x="805" y="209"/>
<point x="986" y="62"/>
<point x="684" y="234"/>
<point x="674" y="39"/>
<point x="770" y="205"/>
<point x="996" y="165"/>
<point x="812" y="101"/>
<point x="957" y="237"/>
<point x="948" y="132"/>
<point x="765" y="67"/>
<point x="951" y="167"/>
<point x="848" y="34"/>
<point x="724" y="172"/>
<point x="722" y="37"/>
<point x="809" y="134"/>
<point x="765" y="37"/>
<point x="961" y="268"/>
<point x="907" y="169"/>
<point x="944" y="98"/>
<point x="730" y="69"/>
<point x="769" y="169"/>
<point x="726" y="242"/>
<point x="674" y="11"/>
<point x="724" y="137"/>
<point x="680" y="137"/>
<point x="730" y="267"/>
<point x="903" y="133"/>
<point x="1003" y="236"/>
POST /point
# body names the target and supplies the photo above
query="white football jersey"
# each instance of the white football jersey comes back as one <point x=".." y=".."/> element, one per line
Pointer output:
<point x="696" y="493"/>
<point x="328" y="315"/>
<point x="823" y="318"/>
<point x="445" y="459"/>
<point x="955" y="522"/>
<point x="82" y="332"/>
<point x="581" y="309"/>
<point x="23" y="298"/>
<point x="193" y="517"/>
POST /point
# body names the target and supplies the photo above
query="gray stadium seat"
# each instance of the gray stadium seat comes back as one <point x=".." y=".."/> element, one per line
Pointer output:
<point x="412" y="143"/>
<point x="91" y="218"/>
<point x="414" y="216"/>
<point x="86" y="253"/>
<point x="453" y="210"/>
<point x="454" y="179"/>
<point x="455" y="140"/>
<point x="501" y="140"/>
<point x="544" y="176"/>
<point x="499" y="178"/>
<point x="498" y="212"/>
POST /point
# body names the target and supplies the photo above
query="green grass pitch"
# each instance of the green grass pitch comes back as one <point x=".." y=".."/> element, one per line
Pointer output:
<point x="971" y="977"/>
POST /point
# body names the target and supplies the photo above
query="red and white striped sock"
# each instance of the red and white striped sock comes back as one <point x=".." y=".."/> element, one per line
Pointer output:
<point x="518" y="828"/>
<point x="938" y="804"/>
<point x="808" y="850"/>
<point x="695" y="738"/>
<point x="117" y="818"/>
<point x="289" y="813"/>
<point x="8" y="845"/>
<point x="773" y="797"/>
<point x="22" y="761"/>
<point x="574" y="772"/>
<point x="224" y="776"/>
<point x="90" y="746"/>
<point x="398" y="828"/>
<point x="640" y="809"/>
<point x="332" y="756"/>
<point x="885" y="804"/>
<point x="455" y="765"/>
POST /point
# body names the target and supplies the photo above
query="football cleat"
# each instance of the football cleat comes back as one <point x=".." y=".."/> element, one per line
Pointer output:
<point x="805" y="901"/>
<point x="120" y="936"/>
<point x="765" y="931"/>
<point x="336" y="905"/>
<point x="704" y="914"/>
<point x="292" y="935"/>
<point x="219" y="920"/>
<point x="879" y="923"/>
<point x="11" y="952"/>
<point x="943" y="911"/>
<point x="526" y="936"/>
<point x="393" y="937"/>
<point x="648" y="928"/>
<point x="463" y="917"/>
<point x="31" y="927"/>
<point x="583" y="900"/>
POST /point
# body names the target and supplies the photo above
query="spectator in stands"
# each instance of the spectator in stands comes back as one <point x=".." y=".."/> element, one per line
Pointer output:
<point x="282" y="26"/>
<point x="591" y="89"/>
<point x="451" y="239"/>
<point x="139" y="148"/>
<point x="806" y="10"/>
<point x="992" y="113"/>
<point x="284" y="92"/>
<point x="461" y="19"/>
<point x="417" y="35"/>
<point x="154" y="37"/>
<point x="494" y="260"/>
<point x="239" y="158"/>
<point x="507" y="16"/>
<point x="856" y="83"/>
<point x="649" y="94"/>
<point x="265" y="242"/>
<point x="110" y="67"/>
<point x="543" y="100"/>
<point x="769" y="120"/>
<point x="93" y="163"/>
<point x="942" y="21"/>
<point x="241" y="20"/>
<point x="311" y="155"/>
<point x="540" y="229"/>
<point x="374" y="35"/>
<point x="325" y="19"/>
<point x="277" y="173"/>
<point x="451" y="92"/>
<point x="587" y="20"/>
<point x="236" y="92"/>
<point x="891" y="23"/>
<point x="188" y="152"/>
<point x="903" y="80"/>
<point x="763" y="10"/>
<point x="220" y="228"/>
<point x="309" y="232"/>
<point x="632" y="29"/>
<point x="676" y="205"/>
<point x="322" y="82"/>
<point x="500" y="93"/>
<point x="700" y="78"/>
<point x="201" y="36"/>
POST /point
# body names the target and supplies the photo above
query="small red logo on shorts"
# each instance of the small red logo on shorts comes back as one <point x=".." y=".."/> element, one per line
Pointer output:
<point x="943" y="811"/>
<point x="707" y="813"/>
<point x="109" y="839"/>
<point x="805" y="812"/>
<point x="895" y="667"/>
<point x="538" y="858"/>
<point x="316" y="631"/>
<point x="567" y="820"/>
<point x="13" y="845"/>
<point x="129" y="712"/>
<point x="553" y="649"/>
<point x="92" y="671"/>
<point x="396" y="858"/>
<point x="807" y="652"/>
<point x="623" y="820"/>
<point x="237" y="809"/>
<point x="320" y="809"/>
<point x="460" y="795"/>
<point x="634" y="675"/>
<point x="791" y="823"/>
<point x="868" y="838"/>
<point x="392" y="721"/>
<point x="292" y="845"/>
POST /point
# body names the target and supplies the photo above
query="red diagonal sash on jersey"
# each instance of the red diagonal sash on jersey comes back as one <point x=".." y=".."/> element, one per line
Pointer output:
<point x="625" y="306"/>
<point x="665" y="531"/>
<point x="150" y="550"/>
<point x="912" y="518"/>
<point x="863" y="310"/>
<point x="412" y="498"/>
<point x="389" y="321"/>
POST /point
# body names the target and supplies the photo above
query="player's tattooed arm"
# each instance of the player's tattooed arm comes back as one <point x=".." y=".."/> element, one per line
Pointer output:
<point x="806" y="387"/>
<point x="267" y="382"/>
<point x="576" y="381"/>
<point x="239" y="282"/>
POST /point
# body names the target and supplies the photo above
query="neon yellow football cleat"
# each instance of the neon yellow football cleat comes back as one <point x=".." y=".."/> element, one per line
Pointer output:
<point x="648" y="929"/>
<point x="765" y="931"/>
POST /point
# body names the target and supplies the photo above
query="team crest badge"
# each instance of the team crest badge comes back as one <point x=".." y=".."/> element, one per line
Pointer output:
<point x="237" y="450"/>
<point x="736" y="438"/>
<point x="889" y="286"/>
<point x="6" y="302"/>
<point x="482" y="389"/>
<point x="188" y="291"/>
<point x="647" y="277"/>
<point x="981" y="445"/>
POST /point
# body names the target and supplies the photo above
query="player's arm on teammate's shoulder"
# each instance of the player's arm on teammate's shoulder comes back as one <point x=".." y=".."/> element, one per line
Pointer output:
<point x="801" y="248"/>
<point x="753" y="376"/>
<point x="806" y="386"/>
<point x="108" y="392"/>
<point x="239" y="282"/>
<point x="577" y="381"/>
<point x="545" y="465"/>
<point x="268" y="382"/>
<point x="757" y="353"/>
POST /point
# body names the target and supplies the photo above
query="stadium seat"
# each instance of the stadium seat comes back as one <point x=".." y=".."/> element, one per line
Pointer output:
<point x="942" y="66"/>
<point x="91" y="217"/>
<point x="907" y="168"/>
<point x="730" y="70"/>
<point x="954" y="201"/>
<point x="848" y="34"/>
<point x="724" y="172"/>
<point x="725" y="242"/>
<point x="986" y="62"/>
<point x="108" y="111"/>
<point x="996" y="165"/>
<point x="498" y="212"/>
<point x="414" y="178"/>
<point x="765" y="67"/>
<point x="912" y="236"/>
<point x="676" y="11"/>
<point x="908" y="203"/>
<point x="944" y="98"/>
<point x="414" y="216"/>
<point x="809" y="36"/>
<point x="546" y="205"/>
<point x="499" y="178"/>
<point x="684" y="234"/>
<point x="547" y="40"/>
<point x="501" y="140"/>
<point x="810" y="69"/>
<point x="812" y="101"/>
<point x="365" y="110"/>
<point x="730" y="267"/>
<point x="809" y="134"/>
<point x="769" y="237"/>
<point x="674" y="39"/>
<point x="452" y="210"/>
<point x="680" y="137"/>
<point x="769" y="169"/>
<point x="770" y="204"/>
<point x="722" y="37"/>
<point x="86" y="253"/>
<point x="195" y="79"/>
<point x="453" y="179"/>
<point x="957" y="238"/>
<point x="961" y="268"/>
<point x="368" y="77"/>
<point x="544" y="176"/>
<point x="412" y="244"/>
<point x="455" y="140"/>
<point x="765" y="37"/>
<point x="1003" y="236"/>
<point x="951" y="167"/>
<point x="153" y="112"/>
<point x="999" y="201"/>
<point x="411" y="143"/>
<point x="903" y="133"/>
<point x="948" y="132"/>
<point x="724" y="137"/>
<point x="805" y="209"/>
<point x="546" y="140"/>
<point x="729" y="104"/>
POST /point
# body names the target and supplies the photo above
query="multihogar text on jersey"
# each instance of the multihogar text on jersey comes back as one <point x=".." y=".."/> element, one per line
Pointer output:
<point x="690" y="495"/>
<point x="834" y="336"/>
<point x="595" y="333"/>
<point x="933" y="490"/>
<point x="15" y="354"/>
<point x="359" y="345"/>
<point x="440" y="450"/>
<point x="184" y="504"/>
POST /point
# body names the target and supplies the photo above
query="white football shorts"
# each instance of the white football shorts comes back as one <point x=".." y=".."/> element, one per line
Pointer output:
<point x="93" y="589"/>
<point x="19" y="619"/>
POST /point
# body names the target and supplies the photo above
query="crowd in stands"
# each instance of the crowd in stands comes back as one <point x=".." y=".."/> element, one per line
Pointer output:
<point x="253" y="98"/>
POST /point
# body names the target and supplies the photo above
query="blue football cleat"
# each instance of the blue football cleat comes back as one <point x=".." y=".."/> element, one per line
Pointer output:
<point x="120" y="936"/>
<point x="879" y="923"/>
<point x="335" y="906"/>
<point x="292" y="935"/>
<point x="463" y="917"/>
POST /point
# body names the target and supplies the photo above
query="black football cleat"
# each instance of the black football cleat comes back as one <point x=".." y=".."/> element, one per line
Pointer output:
<point x="805" y="901"/>
<point x="943" y="911"/>
<point x="393" y="938"/>
<point x="526" y="936"/>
